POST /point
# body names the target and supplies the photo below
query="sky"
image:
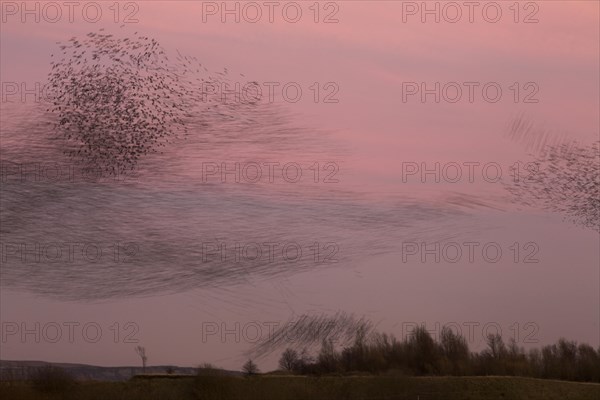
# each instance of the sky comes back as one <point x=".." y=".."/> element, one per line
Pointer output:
<point x="371" y="62"/>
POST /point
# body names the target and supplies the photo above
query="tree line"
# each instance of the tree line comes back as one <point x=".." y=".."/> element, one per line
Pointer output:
<point x="419" y="354"/>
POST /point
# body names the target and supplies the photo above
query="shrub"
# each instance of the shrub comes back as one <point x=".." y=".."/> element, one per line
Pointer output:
<point x="212" y="383"/>
<point x="51" y="379"/>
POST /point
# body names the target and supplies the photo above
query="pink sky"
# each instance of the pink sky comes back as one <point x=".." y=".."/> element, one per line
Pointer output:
<point x="368" y="54"/>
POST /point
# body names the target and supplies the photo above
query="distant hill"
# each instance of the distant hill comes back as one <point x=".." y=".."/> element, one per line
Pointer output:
<point x="18" y="370"/>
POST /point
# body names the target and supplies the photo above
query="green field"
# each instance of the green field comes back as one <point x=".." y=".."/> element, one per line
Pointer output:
<point x="313" y="388"/>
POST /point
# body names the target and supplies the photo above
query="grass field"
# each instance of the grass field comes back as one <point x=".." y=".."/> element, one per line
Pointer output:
<point x="312" y="388"/>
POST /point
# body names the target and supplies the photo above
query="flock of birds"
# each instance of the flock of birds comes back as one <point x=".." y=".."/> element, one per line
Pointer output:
<point x="117" y="100"/>
<point x="563" y="175"/>
<point x="309" y="331"/>
<point x="120" y="103"/>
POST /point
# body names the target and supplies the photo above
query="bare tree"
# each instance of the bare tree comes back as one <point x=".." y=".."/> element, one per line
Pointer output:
<point x="250" y="368"/>
<point x="141" y="351"/>
<point x="496" y="347"/>
<point x="289" y="360"/>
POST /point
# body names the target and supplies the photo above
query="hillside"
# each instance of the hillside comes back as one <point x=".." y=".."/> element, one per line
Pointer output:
<point x="325" y="388"/>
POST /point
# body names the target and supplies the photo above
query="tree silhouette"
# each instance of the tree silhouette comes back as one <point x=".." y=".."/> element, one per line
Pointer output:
<point x="289" y="360"/>
<point x="141" y="351"/>
<point x="250" y="368"/>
